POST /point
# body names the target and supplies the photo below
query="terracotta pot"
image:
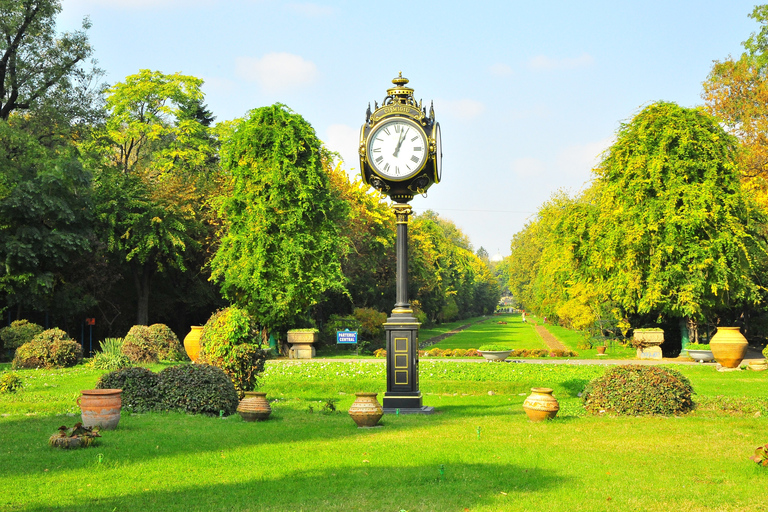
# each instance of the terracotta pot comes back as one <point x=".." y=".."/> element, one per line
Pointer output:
<point x="192" y="342"/>
<point x="100" y="407"/>
<point x="601" y="350"/>
<point x="541" y="405"/>
<point x="366" y="411"/>
<point x="728" y="346"/>
<point x="254" y="407"/>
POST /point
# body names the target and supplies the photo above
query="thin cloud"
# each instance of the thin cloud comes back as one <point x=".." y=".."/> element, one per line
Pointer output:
<point x="542" y="62"/>
<point x="500" y="69"/>
<point x="277" y="71"/>
<point x="580" y="159"/>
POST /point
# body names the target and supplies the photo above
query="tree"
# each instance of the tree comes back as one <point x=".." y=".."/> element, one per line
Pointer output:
<point x="154" y="166"/>
<point x="33" y="61"/>
<point x="281" y="247"/>
<point x="673" y="234"/>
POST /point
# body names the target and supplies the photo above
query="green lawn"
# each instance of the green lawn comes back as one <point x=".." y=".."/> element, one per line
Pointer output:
<point x="513" y="334"/>
<point x="479" y="452"/>
<point x="436" y="330"/>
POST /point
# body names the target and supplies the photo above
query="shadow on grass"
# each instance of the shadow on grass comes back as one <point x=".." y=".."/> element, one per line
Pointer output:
<point x="359" y="486"/>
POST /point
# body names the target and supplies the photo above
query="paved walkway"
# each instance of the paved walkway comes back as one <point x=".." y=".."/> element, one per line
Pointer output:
<point x="552" y="342"/>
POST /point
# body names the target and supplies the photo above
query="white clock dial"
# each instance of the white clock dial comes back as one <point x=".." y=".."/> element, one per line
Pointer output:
<point x="397" y="149"/>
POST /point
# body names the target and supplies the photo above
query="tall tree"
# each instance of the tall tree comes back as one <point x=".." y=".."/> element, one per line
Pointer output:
<point x="281" y="246"/>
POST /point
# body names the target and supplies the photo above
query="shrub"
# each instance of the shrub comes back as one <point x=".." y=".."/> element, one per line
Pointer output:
<point x="166" y="343"/>
<point x="18" y="333"/>
<point x="197" y="389"/>
<point x="697" y="346"/>
<point x="229" y="341"/>
<point x="380" y="352"/>
<point x="494" y="348"/>
<point x="435" y="352"/>
<point x="10" y="383"/>
<point x="141" y="387"/>
<point x="471" y="352"/>
<point x="138" y="345"/>
<point x="111" y="356"/>
<point x="639" y="390"/>
<point x="49" y="349"/>
<point x="765" y="352"/>
<point x="562" y="353"/>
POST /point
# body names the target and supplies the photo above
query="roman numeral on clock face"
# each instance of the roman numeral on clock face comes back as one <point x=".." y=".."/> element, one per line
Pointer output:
<point x="380" y="159"/>
<point x="414" y="159"/>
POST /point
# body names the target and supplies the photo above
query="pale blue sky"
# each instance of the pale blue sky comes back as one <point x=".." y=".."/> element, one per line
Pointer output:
<point x="528" y="94"/>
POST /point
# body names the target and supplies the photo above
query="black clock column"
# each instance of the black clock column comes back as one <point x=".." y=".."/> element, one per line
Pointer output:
<point x="402" y="330"/>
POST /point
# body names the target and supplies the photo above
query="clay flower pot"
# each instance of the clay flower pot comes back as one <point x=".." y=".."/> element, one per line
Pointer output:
<point x="100" y="407"/>
<point x="192" y="342"/>
<point x="541" y="405"/>
<point x="601" y="350"/>
<point x="366" y="411"/>
<point x="728" y="346"/>
<point x="254" y="407"/>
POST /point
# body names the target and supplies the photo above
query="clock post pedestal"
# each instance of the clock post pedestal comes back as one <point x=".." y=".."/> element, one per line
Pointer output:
<point x="402" y="330"/>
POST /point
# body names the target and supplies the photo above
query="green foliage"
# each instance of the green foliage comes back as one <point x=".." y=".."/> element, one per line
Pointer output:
<point x="18" y="333"/>
<point x="141" y="387"/>
<point x="49" y="349"/>
<point x="639" y="390"/>
<point x="493" y="348"/>
<point x="111" y="356"/>
<point x="697" y="346"/>
<point x="229" y="341"/>
<point x="765" y="352"/>
<point x="139" y="345"/>
<point x="197" y="389"/>
<point x="11" y="382"/>
<point x="168" y="346"/>
<point x="281" y="245"/>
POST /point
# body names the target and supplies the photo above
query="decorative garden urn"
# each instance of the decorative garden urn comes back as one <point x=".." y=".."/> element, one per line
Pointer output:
<point x="100" y="407"/>
<point x="254" y="407"/>
<point x="192" y="342"/>
<point x="541" y="405"/>
<point x="728" y="346"/>
<point x="366" y="411"/>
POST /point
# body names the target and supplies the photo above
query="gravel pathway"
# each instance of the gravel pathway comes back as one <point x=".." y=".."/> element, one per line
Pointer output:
<point x="552" y="342"/>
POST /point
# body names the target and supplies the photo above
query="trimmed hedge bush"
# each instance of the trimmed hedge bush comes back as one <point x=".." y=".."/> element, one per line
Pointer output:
<point x="636" y="390"/>
<point x="229" y="341"/>
<point x="166" y="343"/>
<point x="138" y="345"/>
<point x="197" y="389"/>
<point x="17" y="334"/>
<point x="140" y="387"/>
<point x="49" y="349"/>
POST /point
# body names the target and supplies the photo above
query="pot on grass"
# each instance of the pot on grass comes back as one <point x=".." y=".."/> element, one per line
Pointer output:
<point x="254" y="407"/>
<point x="100" y="407"/>
<point x="541" y="405"/>
<point x="366" y="411"/>
<point x="728" y="346"/>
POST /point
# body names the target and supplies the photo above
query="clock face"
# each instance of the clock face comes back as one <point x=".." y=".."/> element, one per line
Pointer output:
<point x="438" y="152"/>
<point x="397" y="149"/>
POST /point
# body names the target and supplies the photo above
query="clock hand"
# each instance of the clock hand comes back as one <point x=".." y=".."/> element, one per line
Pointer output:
<point x="399" y="143"/>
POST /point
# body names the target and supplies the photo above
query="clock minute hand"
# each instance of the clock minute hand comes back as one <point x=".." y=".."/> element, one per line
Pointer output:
<point x="399" y="143"/>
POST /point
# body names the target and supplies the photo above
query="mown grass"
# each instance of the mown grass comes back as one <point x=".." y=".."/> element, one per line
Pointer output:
<point x="478" y="452"/>
<point x="425" y="334"/>
<point x="506" y="330"/>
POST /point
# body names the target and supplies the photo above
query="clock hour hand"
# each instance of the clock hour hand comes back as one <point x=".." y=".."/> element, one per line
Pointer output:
<point x="399" y="143"/>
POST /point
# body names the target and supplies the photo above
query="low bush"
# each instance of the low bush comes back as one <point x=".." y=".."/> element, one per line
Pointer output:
<point x="639" y="390"/>
<point x="697" y="346"/>
<point x="18" y="333"/>
<point x="139" y="346"/>
<point x="49" y="349"/>
<point x="765" y="352"/>
<point x="111" y="356"/>
<point x="10" y="383"/>
<point x="229" y="341"/>
<point x="141" y="387"/>
<point x="380" y="352"/>
<point x="562" y="353"/>
<point x="494" y="348"/>
<point x="166" y="343"/>
<point x="197" y="389"/>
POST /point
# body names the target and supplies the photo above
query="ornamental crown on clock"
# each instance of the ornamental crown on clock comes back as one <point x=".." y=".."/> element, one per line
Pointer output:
<point x="400" y="146"/>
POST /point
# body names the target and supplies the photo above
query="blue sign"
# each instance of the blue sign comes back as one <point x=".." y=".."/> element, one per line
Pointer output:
<point x="346" y="336"/>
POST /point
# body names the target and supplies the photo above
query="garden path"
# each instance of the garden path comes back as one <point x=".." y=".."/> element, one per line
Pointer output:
<point x="552" y="342"/>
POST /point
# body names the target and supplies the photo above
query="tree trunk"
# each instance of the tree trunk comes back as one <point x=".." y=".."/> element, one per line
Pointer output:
<point x="142" y="276"/>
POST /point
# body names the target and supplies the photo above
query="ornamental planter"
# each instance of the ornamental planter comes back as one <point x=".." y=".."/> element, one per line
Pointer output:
<point x="728" y="346"/>
<point x="366" y="411"/>
<point x="758" y="366"/>
<point x="254" y="407"/>
<point x="495" y="355"/>
<point x="647" y="342"/>
<point x="192" y="342"/>
<point x="301" y="344"/>
<point x="702" y="356"/>
<point x="541" y="405"/>
<point x="100" y="407"/>
<point x="601" y="350"/>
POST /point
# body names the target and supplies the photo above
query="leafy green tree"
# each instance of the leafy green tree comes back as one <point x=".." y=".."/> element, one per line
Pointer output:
<point x="674" y="234"/>
<point x="281" y="246"/>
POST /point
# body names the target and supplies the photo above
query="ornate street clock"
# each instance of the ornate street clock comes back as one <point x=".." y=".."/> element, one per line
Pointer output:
<point x="401" y="156"/>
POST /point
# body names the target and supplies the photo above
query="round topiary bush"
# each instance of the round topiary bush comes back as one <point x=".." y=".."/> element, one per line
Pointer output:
<point x="197" y="389"/>
<point x="765" y="352"/>
<point x="49" y="349"/>
<point x="167" y="344"/>
<point x="139" y="346"/>
<point x="639" y="390"/>
<point x="229" y="341"/>
<point x="141" y="387"/>
<point x="17" y="334"/>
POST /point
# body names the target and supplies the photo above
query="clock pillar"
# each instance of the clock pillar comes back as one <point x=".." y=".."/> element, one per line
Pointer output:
<point x="402" y="330"/>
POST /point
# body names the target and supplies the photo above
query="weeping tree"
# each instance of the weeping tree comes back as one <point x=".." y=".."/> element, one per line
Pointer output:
<point x="280" y="248"/>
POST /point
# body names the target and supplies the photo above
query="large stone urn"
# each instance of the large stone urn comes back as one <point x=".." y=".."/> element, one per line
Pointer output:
<point x="728" y="346"/>
<point x="541" y="405"/>
<point x="366" y="411"/>
<point x="301" y="344"/>
<point x="254" y="407"/>
<point x="648" y="343"/>
<point x="192" y="342"/>
<point x="100" y="407"/>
